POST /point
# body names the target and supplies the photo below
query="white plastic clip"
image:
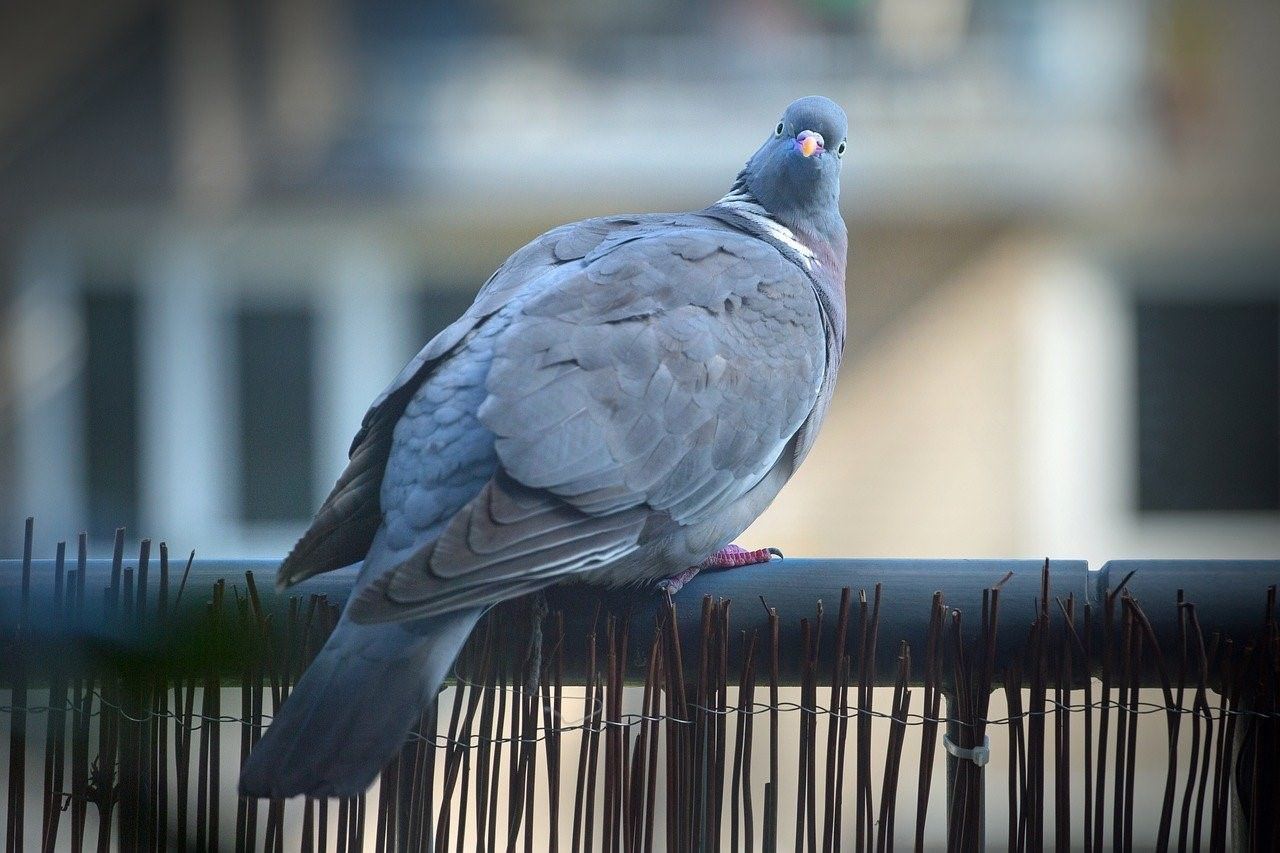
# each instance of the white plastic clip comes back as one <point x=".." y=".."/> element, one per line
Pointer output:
<point x="979" y="755"/>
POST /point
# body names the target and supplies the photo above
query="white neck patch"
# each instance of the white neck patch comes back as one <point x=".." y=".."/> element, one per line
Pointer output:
<point x="741" y="202"/>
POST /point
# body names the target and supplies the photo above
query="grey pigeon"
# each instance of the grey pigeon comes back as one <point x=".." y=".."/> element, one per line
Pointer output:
<point x="625" y="396"/>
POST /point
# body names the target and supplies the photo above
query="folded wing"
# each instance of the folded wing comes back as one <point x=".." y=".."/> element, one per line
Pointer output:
<point x="653" y="385"/>
<point x="344" y="527"/>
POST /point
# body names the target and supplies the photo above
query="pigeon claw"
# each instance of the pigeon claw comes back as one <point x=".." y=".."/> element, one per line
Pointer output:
<point x="728" y="557"/>
<point x="733" y="556"/>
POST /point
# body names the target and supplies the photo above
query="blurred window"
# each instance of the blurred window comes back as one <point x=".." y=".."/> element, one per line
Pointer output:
<point x="276" y="383"/>
<point x="111" y="409"/>
<point x="1208" y="376"/>
<point x="437" y="308"/>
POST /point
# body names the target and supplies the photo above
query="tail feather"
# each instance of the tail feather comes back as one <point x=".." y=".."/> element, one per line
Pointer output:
<point x="354" y="707"/>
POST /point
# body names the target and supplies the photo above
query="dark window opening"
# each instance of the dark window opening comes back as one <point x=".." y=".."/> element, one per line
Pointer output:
<point x="1208" y="398"/>
<point x="111" y="410"/>
<point x="276" y="384"/>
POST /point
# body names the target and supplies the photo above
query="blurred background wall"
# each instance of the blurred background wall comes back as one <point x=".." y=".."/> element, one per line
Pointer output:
<point x="224" y="225"/>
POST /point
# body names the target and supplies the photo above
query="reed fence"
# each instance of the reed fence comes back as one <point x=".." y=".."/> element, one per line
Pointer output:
<point x="801" y="705"/>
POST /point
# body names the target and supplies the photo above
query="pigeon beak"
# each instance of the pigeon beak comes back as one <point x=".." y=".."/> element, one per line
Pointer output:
<point x="810" y="142"/>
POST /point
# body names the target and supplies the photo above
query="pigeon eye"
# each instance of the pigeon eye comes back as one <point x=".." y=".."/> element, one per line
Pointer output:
<point x="777" y="131"/>
<point x="840" y="149"/>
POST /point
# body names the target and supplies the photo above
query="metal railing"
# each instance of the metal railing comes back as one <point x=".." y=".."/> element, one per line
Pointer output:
<point x="1069" y="641"/>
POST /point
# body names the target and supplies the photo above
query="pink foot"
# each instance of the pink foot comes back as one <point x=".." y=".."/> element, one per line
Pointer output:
<point x="733" y="556"/>
<point x="728" y="557"/>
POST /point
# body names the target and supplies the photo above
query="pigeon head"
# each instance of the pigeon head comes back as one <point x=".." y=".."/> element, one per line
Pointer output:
<point x="795" y="174"/>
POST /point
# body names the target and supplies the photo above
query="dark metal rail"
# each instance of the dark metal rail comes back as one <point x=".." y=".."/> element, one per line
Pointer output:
<point x="1226" y="594"/>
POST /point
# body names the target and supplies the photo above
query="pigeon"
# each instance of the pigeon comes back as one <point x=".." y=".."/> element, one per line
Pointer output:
<point x="623" y="398"/>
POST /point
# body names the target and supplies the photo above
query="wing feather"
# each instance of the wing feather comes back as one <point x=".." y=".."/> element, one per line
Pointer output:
<point x="606" y="415"/>
<point x="509" y="540"/>
<point x="344" y="527"/>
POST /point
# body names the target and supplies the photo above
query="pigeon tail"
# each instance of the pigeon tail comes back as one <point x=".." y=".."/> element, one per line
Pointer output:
<point x="354" y="707"/>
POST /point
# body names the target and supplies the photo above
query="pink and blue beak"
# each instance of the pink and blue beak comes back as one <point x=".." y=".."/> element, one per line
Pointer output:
<point x="809" y="142"/>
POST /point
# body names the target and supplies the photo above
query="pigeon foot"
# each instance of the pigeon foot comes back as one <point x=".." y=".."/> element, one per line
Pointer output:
<point x="733" y="556"/>
<point x="728" y="557"/>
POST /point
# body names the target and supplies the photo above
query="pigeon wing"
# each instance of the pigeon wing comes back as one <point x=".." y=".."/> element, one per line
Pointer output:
<point x="656" y="383"/>
<point x="344" y="527"/>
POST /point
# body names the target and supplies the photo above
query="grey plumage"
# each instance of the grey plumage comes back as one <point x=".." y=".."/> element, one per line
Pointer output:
<point x="624" y="397"/>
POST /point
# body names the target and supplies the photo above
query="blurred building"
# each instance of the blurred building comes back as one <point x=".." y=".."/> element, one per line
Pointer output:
<point x="225" y="225"/>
